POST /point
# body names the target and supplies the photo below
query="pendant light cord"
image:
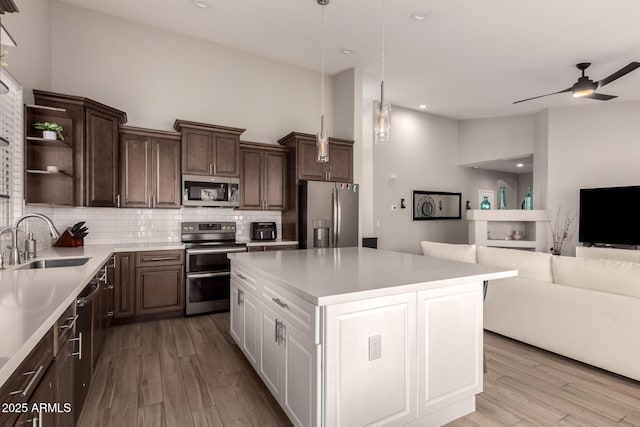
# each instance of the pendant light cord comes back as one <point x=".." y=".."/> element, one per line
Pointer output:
<point x="322" y="76"/>
<point x="382" y="71"/>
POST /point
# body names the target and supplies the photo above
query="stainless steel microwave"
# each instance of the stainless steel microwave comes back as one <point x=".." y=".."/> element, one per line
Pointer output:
<point x="211" y="191"/>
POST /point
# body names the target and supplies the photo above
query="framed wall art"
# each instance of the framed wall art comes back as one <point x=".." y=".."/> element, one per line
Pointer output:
<point x="430" y="205"/>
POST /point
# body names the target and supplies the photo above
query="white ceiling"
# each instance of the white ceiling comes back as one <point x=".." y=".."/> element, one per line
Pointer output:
<point x="470" y="59"/>
<point x="508" y="165"/>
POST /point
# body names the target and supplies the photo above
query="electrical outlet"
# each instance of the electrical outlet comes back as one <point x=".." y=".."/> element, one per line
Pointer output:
<point x="375" y="347"/>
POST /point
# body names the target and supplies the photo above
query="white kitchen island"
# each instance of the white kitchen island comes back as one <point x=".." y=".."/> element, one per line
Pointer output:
<point x="362" y="337"/>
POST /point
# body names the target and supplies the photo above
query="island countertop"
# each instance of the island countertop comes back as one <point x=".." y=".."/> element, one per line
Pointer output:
<point x="337" y="275"/>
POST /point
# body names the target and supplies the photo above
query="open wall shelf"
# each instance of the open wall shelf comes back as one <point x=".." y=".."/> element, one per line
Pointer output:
<point x="41" y="186"/>
<point x="494" y="228"/>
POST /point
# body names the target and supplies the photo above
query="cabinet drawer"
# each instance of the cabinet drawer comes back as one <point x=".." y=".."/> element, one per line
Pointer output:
<point x="65" y="327"/>
<point x="280" y="247"/>
<point x="300" y="313"/>
<point x="24" y="381"/>
<point x="159" y="258"/>
<point x="245" y="278"/>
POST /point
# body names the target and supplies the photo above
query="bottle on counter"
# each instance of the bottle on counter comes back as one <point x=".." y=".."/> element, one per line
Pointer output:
<point x="30" y="247"/>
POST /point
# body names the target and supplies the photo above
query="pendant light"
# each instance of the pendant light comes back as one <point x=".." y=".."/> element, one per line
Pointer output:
<point x="322" y="140"/>
<point x="381" y="109"/>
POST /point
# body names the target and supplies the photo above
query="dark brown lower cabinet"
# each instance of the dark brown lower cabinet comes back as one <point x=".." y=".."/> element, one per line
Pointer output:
<point x="41" y="403"/>
<point x="64" y="372"/>
<point x="268" y="248"/>
<point x="125" y="281"/>
<point x="159" y="289"/>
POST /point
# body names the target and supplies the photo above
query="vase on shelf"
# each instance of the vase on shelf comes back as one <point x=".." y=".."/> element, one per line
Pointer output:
<point x="485" y="205"/>
<point x="528" y="200"/>
<point x="503" y="203"/>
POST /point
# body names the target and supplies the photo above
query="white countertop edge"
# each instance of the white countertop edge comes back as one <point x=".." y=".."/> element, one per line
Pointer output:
<point x="251" y="243"/>
<point x="379" y="292"/>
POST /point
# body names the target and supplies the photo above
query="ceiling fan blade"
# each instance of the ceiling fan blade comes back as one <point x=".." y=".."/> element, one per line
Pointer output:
<point x="621" y="72"/>
<point x="542" y="96"/>
<point x="600" y="96"/>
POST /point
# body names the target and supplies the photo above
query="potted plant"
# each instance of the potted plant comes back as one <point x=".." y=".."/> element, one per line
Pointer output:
<point x="51" y="131"/>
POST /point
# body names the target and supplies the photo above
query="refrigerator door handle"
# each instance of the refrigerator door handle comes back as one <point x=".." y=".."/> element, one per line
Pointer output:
<point x="339" y="221"/>
<point x="334" y="218"/>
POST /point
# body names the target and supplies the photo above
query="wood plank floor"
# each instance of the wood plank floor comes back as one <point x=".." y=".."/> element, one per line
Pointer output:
<point x="188" y="372"/>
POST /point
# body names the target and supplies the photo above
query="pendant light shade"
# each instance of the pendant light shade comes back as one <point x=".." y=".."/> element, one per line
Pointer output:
<point x="381" y="108"/>
<point x="322" y="140"/>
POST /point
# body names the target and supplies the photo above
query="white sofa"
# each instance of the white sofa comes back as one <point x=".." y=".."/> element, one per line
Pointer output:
<point x="582" y="308"/>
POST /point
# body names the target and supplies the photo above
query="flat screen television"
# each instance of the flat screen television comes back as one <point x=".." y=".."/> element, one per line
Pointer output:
<point x="608" y="216"/>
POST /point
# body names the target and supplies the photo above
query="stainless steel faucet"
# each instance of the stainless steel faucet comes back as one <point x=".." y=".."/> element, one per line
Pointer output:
<point x="2" y="231"/>
<point x="14" y="255"/>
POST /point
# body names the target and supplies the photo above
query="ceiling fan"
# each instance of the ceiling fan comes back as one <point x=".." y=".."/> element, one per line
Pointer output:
<point x="586" y="88"/>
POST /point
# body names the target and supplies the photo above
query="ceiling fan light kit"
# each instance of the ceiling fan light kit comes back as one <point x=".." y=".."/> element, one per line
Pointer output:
<point x="586" y="88"/>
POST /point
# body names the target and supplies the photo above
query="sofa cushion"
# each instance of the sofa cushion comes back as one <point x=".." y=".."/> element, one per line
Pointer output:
<point x="448" y="251"/>
<point x="530" y="265"/>
<point x="619" y="277"/>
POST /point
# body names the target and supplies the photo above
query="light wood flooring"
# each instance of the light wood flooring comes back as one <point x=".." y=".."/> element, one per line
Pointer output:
<point x="188" y="372"/>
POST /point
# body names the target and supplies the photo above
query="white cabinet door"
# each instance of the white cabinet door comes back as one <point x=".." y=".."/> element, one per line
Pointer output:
<point x="300" y="399"/>
<point x="236" y="329"/>
<point x="449" y="346"/>
<point x="271" y="362"/>
<point x="370" y="362"/>
<point x="251" y="341"/>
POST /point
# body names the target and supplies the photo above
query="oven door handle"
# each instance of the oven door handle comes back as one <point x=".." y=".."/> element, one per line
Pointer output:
<point x="214" y="251"/>
<point x="205" y="275"/>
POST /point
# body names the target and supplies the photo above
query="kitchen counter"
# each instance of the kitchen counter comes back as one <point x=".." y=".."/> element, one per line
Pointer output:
<point x="32" y="300"/>
<point x="331" y="276"/>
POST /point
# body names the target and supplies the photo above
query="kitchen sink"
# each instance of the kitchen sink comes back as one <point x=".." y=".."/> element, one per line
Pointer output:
<point x="54" y="263"/>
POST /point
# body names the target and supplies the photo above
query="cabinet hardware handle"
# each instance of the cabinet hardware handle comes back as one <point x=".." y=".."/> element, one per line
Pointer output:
<point x="329" y="173"/>
<point x="71" y="323"/>
<point x="215" y="168"/>
<point x="162" y="258"/>
<point x="210" y="169"/>
<point x="241" y="276"/>
<point x="117" y="200"/>
<point x="153" y="201"/>
<point x="240" y="297"/>
<point x="110" y="313"/>
<point x="111" y="287"/>
<point x="280" y="303"/>
<point x="79" y="352"/>
<point x="277" y="323"/>
<point x="35" y="374"/>
<point x="283" y="330"/>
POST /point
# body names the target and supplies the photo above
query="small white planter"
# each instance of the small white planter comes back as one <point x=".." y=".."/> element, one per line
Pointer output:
<point x="48" y="134"/>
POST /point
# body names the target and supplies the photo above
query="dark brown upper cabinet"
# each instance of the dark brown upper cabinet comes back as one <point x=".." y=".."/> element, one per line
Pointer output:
<point x="302" y="164"/>
<point x="95" y="146"/>
<point x="209" y="149"/>
<point x="339" y="168"/>
<point x="149" y="168"/>
<point x="262" y="176"/>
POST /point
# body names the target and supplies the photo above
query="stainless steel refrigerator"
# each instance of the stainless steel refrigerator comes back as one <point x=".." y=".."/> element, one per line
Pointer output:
<point x="328" y="214"/>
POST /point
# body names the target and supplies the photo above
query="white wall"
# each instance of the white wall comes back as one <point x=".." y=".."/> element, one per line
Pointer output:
<point x="541" y="160"/>
<point x="157" y="76"/>
<point x="495" y="138"/>
<point x="591" y="146"/>
<point x="30" y="61"/>
<point x="423" y="154"/>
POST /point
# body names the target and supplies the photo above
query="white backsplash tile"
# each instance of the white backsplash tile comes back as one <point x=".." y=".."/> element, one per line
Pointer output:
<point x="111" y="225"/>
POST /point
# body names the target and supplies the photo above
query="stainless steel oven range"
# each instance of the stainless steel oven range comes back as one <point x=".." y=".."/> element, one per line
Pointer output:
<point x="208" y="270"/>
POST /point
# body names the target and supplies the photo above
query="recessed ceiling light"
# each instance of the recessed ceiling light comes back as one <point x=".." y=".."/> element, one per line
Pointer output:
<point x="423" y="106"/>
<point x="347" y="51"/>
<point x="420" y="16"/>
<point x="519" y="165"/>
<point x="475" y="167"/>
<point x="202" y="4"/>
